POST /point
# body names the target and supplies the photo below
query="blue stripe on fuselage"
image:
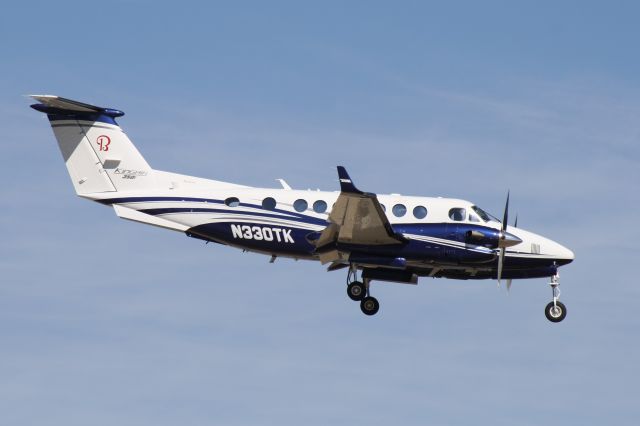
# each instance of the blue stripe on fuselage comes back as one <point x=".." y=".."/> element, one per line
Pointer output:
<point x="290" y="215"/>
<point x="172" y="210"/>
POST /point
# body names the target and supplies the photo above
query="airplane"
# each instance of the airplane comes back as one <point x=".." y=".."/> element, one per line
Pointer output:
<point x="388" y="237"/>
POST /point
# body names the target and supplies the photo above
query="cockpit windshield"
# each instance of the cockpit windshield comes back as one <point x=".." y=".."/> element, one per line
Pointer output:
<point x="484" y="215"/>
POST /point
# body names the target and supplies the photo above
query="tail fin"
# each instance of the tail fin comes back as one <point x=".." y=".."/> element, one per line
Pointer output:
<point x="98" y="154"/>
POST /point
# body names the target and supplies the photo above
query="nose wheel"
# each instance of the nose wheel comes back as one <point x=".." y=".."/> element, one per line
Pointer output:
<point x="555" y="311"/>
<point x="359" y="291"/>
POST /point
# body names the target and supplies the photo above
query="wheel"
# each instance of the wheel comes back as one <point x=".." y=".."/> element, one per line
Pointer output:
<point x="555" y="313"/>
<point x="356" y="291"/>
<point x="369" y="305"/>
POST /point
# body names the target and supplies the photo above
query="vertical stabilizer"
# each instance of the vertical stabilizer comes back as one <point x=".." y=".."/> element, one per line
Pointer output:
<point x="98" y="154"/>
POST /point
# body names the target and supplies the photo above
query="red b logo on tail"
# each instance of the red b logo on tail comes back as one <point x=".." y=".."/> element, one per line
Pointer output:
<point x="103" y="142"/>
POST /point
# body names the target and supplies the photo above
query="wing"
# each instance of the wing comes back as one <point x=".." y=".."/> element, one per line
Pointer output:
<point x="356" y="219"/>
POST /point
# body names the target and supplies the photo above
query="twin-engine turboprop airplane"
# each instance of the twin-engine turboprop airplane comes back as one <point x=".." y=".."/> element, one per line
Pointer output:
<point x="379" y="237"/>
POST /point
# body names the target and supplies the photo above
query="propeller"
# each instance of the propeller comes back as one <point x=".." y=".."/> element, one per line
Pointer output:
<point x="515" y="225"/>
<point x="503" y="237"/>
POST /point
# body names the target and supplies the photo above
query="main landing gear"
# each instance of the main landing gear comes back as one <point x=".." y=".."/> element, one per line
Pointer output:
<point x="359" y="291"/>
<point x="555" y="311"/>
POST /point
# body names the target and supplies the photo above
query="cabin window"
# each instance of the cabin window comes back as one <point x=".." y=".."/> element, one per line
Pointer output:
<point x="457" y="213"/>
<point x="232" y="202"/>
<point x="399" y="210"/>
<point x="269" y="203"/>
<point x="420" y="212"/>
<point x="300" y="205"/>
<point x="320" y="206"/>
<point x="384" y="209"/>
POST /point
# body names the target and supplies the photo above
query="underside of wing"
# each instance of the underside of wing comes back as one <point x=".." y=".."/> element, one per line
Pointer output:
<point x="356" y="219"/>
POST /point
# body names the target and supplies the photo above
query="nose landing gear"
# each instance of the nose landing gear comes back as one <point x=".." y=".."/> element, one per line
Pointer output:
<point x="359" y="291"/>
<point x="555" y="311"/>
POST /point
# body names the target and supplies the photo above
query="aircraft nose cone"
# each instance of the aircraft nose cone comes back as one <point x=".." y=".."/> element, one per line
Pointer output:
<point x="562" y="254"/>
<point x="566" y="255"/>
<point x="508" y="240"/>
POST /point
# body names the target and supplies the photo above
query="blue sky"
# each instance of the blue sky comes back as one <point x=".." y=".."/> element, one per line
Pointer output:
<point x="107" y="322"/>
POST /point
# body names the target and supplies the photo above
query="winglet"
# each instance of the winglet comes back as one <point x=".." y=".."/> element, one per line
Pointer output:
<point x="346" y="184"/>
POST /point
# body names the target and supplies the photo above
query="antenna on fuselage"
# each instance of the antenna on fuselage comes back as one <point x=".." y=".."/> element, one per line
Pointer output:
<point x="284" y="184"/>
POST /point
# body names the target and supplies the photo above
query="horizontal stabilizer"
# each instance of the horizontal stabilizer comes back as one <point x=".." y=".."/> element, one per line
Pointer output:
<point x="51" y="104"/>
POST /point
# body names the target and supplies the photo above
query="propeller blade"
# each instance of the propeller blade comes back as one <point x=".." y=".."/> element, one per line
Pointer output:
<point x="515" y="225"/>
<point x="505" y="218"/>
<point x="506" y="213"/>
<point x="500" y="264"/>
<point x="509" y="285"/>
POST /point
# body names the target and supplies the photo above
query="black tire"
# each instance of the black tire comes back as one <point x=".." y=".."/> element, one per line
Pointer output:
<point x="369" y="305"/>
<point x="356" y="291"/>
<point x="557" y="314"/>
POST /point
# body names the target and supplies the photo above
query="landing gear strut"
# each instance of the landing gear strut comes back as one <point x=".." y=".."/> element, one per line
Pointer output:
<point x="359" y="291"/>
<point x="555" y="311"/>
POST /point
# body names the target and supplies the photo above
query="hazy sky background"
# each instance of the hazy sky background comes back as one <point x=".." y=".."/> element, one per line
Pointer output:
<point x="107" y="322"/>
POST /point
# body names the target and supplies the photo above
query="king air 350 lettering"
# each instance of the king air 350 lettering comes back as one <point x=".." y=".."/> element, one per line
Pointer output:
<point x="261" y="233"/>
